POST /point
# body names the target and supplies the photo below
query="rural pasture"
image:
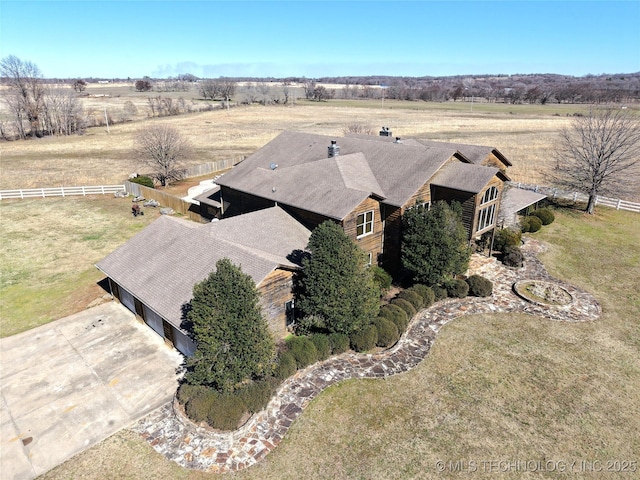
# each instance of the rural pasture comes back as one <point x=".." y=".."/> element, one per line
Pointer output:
<point x="524" y="133"/>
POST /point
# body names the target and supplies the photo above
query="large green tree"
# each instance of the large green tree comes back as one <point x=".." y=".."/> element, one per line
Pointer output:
<point x="231" y="334"/>
<point x="434" y="242"/>
<point x="336" y="283"/>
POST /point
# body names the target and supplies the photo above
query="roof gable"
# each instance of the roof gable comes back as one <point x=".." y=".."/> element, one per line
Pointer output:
<point x="161" y="264"/>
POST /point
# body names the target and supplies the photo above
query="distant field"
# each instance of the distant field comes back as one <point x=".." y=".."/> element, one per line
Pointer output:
<point x="494" y="388"/>
<point x="525" y="134"/>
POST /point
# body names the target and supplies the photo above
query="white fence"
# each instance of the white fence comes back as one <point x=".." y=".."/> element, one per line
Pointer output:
<point x="60" y="191"/>
<point x="553" y="193"/>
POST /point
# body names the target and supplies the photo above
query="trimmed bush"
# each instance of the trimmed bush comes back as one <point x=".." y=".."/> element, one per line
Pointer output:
<point x="309" y="324"/>
<point x="428" y="297"/>
<point x="457" y="288"/>
<point x="530" y="224"/>
<point x="405" y="305"/>
<point x="397" y="315"/>
<point x="143" y="180"/>
<point x="303" y="350"/>
<point x="545" y="215"/>
<point x="256" y="395"/>
<point x="198" y="407"/>
<point x="480" y="286"/>
<point x="381" y="277"/>
<point x="186" y="392"/>
<point x="321" y="341"/>
<point x="439" y="292"/>
<point x="387" y="332"/>
<point x="412" y="297"/>
<point x="286" y="366"/>
<point x="226" y="412"/>
<point x="507" y="237"/>
<point x="513" y="257"/>
<point x="364" y="339"/>
<point x="339" y="343"/>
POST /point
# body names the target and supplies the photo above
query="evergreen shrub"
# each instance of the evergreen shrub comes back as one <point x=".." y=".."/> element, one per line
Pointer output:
<point x="364" y="339"/>
<point x="427" y="294"/>
<point x="545" y="215"/>
<point x="506" y="237"/>
<point x="530" y="224"/>
<point x="339" y="343"/>
<point x="457" y="288"/>
<point x="286" y="366"/>
<point x="439" y="292"/>
<point x="513" y="257"/>
<point x="405" y="305"/>
<point x="412" y="297"/>
<point x="387" y="332"/>
<point x="321" y="342"/>
<point x="143" y="180"/>
<point x="397" y="315"/>
<point x="226" y="412"/>
<point x="303" y="350"/>
<point x="480" y="286"/>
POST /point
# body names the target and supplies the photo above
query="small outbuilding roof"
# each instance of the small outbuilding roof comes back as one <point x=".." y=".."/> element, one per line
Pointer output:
<point x="514" y="200"/>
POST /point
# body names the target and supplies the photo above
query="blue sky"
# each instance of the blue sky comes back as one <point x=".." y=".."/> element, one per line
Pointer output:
<point x="120" y="39"/>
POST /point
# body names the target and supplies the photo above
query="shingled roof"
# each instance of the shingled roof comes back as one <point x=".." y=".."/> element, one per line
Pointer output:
<point x="464" y="176"/>
<point x="162" y="263"/>
<point x="475" y="153"/>
<point x="293" y="169"/>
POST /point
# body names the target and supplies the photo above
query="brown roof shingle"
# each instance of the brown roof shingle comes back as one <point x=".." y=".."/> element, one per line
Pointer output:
<point x="162" y="263"/>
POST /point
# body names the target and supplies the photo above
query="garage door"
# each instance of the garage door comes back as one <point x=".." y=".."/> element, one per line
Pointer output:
<point x="153" y="320"/>
<point x="183" y="343"/>
<point x="127" y="300"/>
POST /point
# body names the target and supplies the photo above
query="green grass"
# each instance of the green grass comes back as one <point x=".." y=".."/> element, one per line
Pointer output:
<point x="507" y="387"/>
<point x="48" y="251"/>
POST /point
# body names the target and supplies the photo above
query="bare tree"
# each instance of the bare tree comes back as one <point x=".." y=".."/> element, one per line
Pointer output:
<point x="79" y="85"/>
<point x="26" y="96"/>
<point x="598" y="152"/>
<point x="163" y="149"/>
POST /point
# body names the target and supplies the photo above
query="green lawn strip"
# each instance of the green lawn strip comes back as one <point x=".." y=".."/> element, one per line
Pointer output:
<point x="48" y="251"/>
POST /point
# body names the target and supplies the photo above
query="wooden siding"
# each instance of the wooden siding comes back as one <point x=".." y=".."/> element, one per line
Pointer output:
<point x="275" y="292"/>
<point x="392" y="238"/>
<point x="240" y="202"/>
<point x="466" y="199"/>
<point x="371" y="243"/>
<point x="492" y="161"/>
<point x="421" y="196"/>
<point x="309" y="219"/>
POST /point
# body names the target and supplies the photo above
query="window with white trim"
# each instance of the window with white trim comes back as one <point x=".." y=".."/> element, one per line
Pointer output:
<point x="369" y="258"/>
<point x="486" y="217"/>
<point x="489" y="196"/>
<point x="364" y="224"/>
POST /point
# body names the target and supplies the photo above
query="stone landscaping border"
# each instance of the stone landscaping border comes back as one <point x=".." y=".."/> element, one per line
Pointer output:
<point x="196" y="447"/>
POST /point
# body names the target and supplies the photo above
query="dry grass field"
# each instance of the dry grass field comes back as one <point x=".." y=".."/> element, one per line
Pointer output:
<point x="494" y="388"/>
<point x="525" y="134"/>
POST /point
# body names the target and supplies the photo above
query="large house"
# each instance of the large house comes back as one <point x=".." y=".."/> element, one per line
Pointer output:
<point x="265" y="207"/>
<point x="363" y="182"/>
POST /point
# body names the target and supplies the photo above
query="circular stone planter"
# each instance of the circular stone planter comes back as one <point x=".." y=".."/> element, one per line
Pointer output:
<point x="544" y="293"/>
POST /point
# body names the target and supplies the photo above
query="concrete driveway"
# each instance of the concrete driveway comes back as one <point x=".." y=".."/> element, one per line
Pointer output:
<point x="67" y="385"/>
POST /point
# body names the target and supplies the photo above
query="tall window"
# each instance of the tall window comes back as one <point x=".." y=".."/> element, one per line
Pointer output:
<point x="364" y="224"/>
<point x="489" y="196"/>
<point x="486" y="217"/>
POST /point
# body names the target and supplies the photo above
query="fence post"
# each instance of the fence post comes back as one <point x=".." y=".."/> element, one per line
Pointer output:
<point x="618" y="205"/>
<point x="575" y="197"/>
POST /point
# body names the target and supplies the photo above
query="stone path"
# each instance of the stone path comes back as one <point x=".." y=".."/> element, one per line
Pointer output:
<point x="196" y="447"/>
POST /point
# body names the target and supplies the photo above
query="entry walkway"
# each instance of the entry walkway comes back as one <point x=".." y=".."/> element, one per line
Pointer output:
<point x="70" y="384"/>
<point x="196" y="447"/>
